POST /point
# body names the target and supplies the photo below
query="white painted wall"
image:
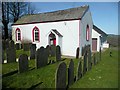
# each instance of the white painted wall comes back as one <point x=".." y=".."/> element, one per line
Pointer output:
<point x="86" y="20"/>
<point x="97" y="35"/>
<point x="69" y="30"/>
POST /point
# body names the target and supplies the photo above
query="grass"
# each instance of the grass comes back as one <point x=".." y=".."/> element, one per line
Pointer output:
<point x="102" y="75"/>
<point x="18" y="53"/>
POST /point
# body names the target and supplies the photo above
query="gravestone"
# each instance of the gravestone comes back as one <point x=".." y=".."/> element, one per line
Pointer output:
<point x="17" y="46"/>
<point x="77" y="53"/>
<point x="100" y="53"/>
<point x="58" y="53"/>
<point x="23" y="63"/>
<point x="79" y="70"/>
<point x="32" y="51"/>
<point x="94" y="59"/>
<point x="85" y="63"/>
<point x="48" y="50"/>
<point x="53" y="50"/>
<point x="61" y="76"/>
<point x="89" y="59"/>
<point x="6" y="43"/>
<point x="71" y="73"/>
<point x="3" y="56"/>
<point x="11" y="52"/>
<point x="3" y="45"/>
<point x="26" y="46"/>
<point x="41" y="57"/>
<point x="11" y="44"/>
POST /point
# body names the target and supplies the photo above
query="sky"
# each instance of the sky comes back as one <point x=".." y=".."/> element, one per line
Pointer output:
<point x="104" y="14"/>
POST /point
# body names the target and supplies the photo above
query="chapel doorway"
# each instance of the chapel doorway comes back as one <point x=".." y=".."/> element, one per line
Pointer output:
<point x="52" y="39"/>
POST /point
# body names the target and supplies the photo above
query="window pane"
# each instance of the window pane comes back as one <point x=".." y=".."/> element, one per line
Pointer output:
<point x="36" y="35"/>
<point x="18" y="35"/>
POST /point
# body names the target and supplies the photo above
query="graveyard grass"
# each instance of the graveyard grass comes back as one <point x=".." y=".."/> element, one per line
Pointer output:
<point x="102" y="75"/>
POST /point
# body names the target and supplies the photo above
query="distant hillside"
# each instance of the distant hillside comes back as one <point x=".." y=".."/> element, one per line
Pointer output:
<point x="113" y="40"/>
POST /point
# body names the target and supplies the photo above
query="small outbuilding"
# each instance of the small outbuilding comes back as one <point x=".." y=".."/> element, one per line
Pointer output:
<point x="99" y="39"/>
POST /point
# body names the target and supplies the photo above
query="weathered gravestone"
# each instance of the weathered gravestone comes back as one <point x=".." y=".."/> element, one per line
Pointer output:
<point x="100" y="53"/>
<point x="23" y="63"/>
<point x="71" y="73"/>
<point x="11" y="52"/>
<point x="53" y="50"/>
<point x="85" y="63"/>
<point x="17" y="46"/>
<point x="79" y="70"/>
<point x="41" y="57"/>
<point x="89" y="59"/>
<point x="48" y="50"/>
<point x="32" y="51"/>
<point x="58" y="53"/>
<point x="6" y="43"/>
<point x="94" y="59"/>
<point x="61" y="76"/>
<point x="3" y="45"/>
<point x="11" y="44"/>
<point x="26" y="46"/>
<point x="3" y="56"/>
<point x="77" y="53"/>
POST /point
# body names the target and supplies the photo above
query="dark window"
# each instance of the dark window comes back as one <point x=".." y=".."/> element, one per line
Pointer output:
<point x="87" y="33"/>
<point x="35" y="34"/>
<point x="18" y="34"/>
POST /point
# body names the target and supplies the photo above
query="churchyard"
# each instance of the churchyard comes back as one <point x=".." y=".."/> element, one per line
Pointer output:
<point x="45" y="68"/>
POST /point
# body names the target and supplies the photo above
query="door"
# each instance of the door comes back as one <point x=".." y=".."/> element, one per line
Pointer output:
<point x="94" y="44"/>
<point x="52" y="39"/>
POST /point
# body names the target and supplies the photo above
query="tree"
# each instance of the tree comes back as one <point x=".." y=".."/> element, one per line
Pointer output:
<point x="17" y="9"/>
<point x="12" y="11"/>
<point x="5" y="17"/>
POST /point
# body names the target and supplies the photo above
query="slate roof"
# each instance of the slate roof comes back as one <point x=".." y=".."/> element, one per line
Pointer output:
<point x="99" y="30"/>
<point x="55" y="31"/>
<point x="67" y="14"/>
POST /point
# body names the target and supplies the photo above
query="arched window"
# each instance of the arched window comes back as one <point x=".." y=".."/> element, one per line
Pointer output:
<point x="18" y="34"/>
<point x="36" y="34"/>
<point x="87" y="33"/>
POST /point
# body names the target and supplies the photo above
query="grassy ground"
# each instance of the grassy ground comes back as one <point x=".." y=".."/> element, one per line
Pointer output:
<point x="102" y="75"/>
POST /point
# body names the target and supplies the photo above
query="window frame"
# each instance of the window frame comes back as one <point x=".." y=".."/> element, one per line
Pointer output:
<point x="87" y="33"/>
<point x="18" y="31"/>
<point x="34" y="32"/>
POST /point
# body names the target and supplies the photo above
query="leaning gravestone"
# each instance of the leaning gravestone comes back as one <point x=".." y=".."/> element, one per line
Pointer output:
<point x="23" y="63"/>
<point x="85" y="63"/>
<point x="32" y="51"/>
<point x="77" y="53"/>
<point x="71" y="73"/>
<point x="58" y="53"/>
<point x="41" y="57"/>
<point x="79" y="70"/>
<point x="61" y="76"/>
<point x="53" y="50"/>
<point x="11" y="52"/>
